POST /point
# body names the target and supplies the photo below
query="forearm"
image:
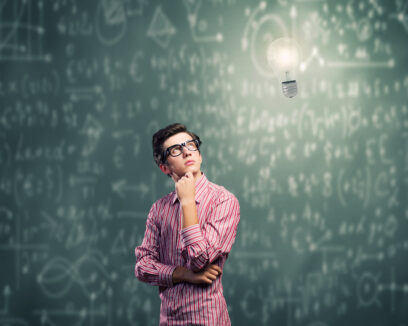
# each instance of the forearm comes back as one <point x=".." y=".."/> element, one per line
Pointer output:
<point x="153" y="272"/>
<point x="179" y="274"/>
<point x="190" y="217"/>
<point x="194" y="247"/>
<point x="182" y="274"/>
<point x="203" y="245"/>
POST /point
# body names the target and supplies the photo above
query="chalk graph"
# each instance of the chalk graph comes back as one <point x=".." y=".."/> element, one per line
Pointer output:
<point x="22" y="30"/>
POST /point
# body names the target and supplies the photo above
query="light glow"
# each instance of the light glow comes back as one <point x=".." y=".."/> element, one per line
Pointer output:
<point x="283" y="54"/>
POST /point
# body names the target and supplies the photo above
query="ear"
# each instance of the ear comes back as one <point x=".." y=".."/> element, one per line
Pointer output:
<point x="164" y="168"/>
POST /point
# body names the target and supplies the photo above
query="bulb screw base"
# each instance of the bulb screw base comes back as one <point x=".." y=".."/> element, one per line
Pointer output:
<point x="289" y="88"/>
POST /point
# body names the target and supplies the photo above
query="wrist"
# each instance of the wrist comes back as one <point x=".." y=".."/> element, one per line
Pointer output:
<point x="187" y="202"/>
<point x="179" y="274"/>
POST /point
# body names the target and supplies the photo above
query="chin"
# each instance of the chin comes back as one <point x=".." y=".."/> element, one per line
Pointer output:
<point x="192" y="169"/>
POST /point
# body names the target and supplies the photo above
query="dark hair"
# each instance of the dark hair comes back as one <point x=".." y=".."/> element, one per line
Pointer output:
<point x="160" y="137"/>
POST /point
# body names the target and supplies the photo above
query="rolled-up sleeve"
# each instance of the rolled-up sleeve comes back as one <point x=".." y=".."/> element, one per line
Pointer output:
<point x="148" y="267"/>
<point x="202" y="246"/>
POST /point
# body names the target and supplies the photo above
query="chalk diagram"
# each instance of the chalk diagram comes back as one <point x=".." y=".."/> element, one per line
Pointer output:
<point x="88" y="272"/>
<point x="161" y="30"/>
<point x="12" y="231"/>
<point x="402" y="13"/>
<point x="112" y="17"/>
<point x="93" y="130"/>
<point x="260" y="30"/>
<point x="22" y="30"/>
<point x="362" y="21"/>
<point x="199" y="25"/>
<point x="368" y="289"/>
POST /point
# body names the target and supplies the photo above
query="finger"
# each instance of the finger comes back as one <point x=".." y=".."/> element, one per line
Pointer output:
<point x="213" y="272"/>
<point x="217" y="268"/>
<point x="189" y="175"/>
<point x="207" y="280"/>
<point x="214" y="266"/>
<point x="211" y="276"/>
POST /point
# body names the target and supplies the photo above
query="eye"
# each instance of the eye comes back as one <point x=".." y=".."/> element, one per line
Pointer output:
<point x="192" y="145"/>
<point x="175" y="150"/>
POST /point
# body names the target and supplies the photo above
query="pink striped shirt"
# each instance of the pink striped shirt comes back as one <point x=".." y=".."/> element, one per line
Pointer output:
<point x="166" y="246"/>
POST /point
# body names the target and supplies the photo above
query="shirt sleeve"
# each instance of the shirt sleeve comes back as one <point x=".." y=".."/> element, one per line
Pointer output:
<point x="148" y="267"/>
<point x="202" y="246"/>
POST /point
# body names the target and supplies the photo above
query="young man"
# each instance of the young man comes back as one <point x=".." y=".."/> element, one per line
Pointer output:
<point x="189" y="234"/>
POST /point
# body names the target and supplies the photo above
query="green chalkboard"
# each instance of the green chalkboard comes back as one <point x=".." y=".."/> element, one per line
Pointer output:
<point x="321" y="177"/>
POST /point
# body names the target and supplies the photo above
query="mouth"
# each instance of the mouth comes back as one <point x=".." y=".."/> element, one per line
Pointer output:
<point x="189" y="162"/>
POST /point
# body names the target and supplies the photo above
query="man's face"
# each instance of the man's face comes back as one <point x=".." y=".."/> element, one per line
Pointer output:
<point x="187" y="161"/>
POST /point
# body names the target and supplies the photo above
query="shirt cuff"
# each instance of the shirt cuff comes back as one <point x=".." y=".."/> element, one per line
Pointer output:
<point x="190" y="235"/>
<point x="166" y="275"/>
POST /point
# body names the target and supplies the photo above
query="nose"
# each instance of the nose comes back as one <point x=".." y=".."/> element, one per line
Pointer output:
<point x="185" y="151"/>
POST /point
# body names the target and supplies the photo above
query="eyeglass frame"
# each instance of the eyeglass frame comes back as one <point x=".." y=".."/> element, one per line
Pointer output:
<point x="166" y="152"/>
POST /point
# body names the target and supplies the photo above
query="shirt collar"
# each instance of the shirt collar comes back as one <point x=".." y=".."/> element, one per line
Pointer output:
<point x="201" y="185"/>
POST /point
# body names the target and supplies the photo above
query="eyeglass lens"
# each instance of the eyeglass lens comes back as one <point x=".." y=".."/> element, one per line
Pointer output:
<point x="177" y="150"/>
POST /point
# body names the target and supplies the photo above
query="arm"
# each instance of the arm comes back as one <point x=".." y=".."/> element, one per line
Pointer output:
<point x="208" y="275"/>
<point x="201" y="247"/>
<point x="148" y="267"/>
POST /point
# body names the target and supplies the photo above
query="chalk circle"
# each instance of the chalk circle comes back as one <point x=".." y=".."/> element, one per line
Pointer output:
<point x="367" y="289"/>
<point x="108" y="35"/>
<point x="55" y="279"/>
<point x="267" y="29"/>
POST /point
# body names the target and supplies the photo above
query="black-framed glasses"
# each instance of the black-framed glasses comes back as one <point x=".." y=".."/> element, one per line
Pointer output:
<point x="177" y="149"/>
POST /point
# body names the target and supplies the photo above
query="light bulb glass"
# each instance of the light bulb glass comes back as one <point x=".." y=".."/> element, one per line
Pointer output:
<point x="283" y="56"/>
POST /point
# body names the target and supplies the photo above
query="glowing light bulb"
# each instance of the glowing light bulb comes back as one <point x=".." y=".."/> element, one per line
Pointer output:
<point x="283" y="55"/>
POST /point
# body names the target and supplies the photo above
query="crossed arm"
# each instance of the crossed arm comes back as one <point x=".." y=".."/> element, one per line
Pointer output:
<point x="200" y="247"/>
<point x="208" y="275"/>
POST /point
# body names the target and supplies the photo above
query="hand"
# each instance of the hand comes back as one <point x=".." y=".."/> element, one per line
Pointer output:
<point x="207" y="276"/>
<point x="185" y="187"/>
